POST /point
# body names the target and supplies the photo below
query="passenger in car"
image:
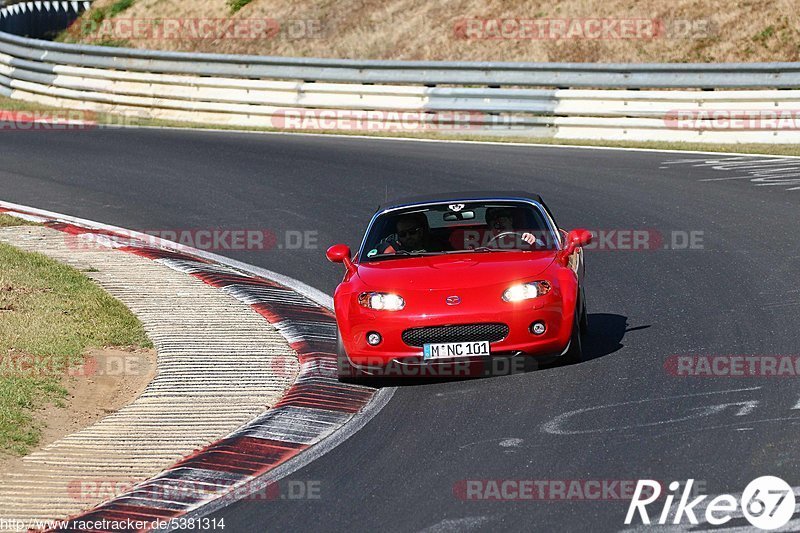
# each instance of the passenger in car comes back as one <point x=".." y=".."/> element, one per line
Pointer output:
<point x="501" y="220"/>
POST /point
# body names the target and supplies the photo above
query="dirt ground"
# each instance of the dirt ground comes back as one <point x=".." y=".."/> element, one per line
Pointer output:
<point x="467" y="30"/>
<point x="113" y="378"/>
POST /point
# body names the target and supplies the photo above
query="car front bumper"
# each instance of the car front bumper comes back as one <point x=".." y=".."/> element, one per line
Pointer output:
<point x="519" y="341"/>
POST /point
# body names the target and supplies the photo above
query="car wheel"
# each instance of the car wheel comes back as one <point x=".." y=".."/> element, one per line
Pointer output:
<point x="345" y="371"/>
<point x="575" y="353"/>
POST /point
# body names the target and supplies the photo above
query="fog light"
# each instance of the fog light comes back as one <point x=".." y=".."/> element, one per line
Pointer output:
<point x="538" y="328"/>
<point x="374" y="338"/>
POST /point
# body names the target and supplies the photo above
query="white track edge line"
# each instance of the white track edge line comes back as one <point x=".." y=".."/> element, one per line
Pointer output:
<point x="455" y="141"/>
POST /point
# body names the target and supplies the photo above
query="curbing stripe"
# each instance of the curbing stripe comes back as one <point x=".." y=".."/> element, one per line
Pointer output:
<point x="151" y="433"/>
<point x="312" y="409"/>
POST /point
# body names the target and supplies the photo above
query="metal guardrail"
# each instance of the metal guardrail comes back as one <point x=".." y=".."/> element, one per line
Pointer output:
<point x="566" y="75"/>
<point x="476" y="98"/>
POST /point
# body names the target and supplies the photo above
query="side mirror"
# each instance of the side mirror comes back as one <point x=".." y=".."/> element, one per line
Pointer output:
<point x="579" y="237"/>
<point x="337" y="253"/>
<point x="575" y="239"/>
<point x="340" y="253"/>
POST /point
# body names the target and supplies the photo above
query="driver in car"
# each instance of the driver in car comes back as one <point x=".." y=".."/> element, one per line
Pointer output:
<point x="413" y="235"/>
<point x="501" y="220"/>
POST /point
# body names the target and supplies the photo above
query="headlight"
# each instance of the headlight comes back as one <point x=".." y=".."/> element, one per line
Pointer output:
<point x="382" y="301"/>
<point x="526" y="291"/>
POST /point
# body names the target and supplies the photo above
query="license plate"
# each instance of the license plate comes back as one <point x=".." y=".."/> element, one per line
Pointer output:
<point x="449" y="350"/>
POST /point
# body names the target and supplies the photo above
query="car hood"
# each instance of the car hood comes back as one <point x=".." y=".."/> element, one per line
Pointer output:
<point x="453" y="271"/>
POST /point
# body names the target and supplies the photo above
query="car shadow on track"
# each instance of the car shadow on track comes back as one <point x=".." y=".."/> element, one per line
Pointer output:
<point x="605" y="334"/>
<point x="604" y="337"/>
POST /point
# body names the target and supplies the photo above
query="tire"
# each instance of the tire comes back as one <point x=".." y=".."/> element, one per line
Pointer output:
<point x="584" y="315"/>
<point x="345" y="371"/>
<point x="575" y="353"/>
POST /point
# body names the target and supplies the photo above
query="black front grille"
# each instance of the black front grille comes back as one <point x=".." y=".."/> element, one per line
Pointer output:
<point x="459" y="333"/>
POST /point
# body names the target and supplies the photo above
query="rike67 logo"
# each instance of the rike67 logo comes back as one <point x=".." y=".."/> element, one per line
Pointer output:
<point x="767" y="503"/>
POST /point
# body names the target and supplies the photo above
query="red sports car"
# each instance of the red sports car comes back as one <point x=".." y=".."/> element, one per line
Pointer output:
<point x="459" y="278"/>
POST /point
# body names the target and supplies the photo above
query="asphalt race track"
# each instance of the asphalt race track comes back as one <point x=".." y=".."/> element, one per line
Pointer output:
<point x="619" y="416"/>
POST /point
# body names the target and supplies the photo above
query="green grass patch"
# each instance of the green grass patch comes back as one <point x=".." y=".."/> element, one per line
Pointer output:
<point x="236" y="5"/>
<point x="97" y="15"/>
<point x="118" y="7"/>
<point x="9" y="104"/>
<point x="764" y="34"/>
<point x="8" y="221"/>
<point x="49" y="315"/>
<point x="114" y="43"/>
<point x="89" y="24"/>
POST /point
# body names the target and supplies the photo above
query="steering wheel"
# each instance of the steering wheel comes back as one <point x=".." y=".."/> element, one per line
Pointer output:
<point x="506" y="234"/>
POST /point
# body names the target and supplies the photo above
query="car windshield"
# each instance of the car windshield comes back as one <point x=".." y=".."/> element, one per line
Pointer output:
<point x="470" y="227"/>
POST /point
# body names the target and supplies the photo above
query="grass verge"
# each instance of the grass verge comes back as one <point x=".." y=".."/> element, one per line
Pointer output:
<point x="236" y="5"/>
<point x="111" y="120"/>
<point x="49" y="315"/>
<point x="6" y="221"/>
